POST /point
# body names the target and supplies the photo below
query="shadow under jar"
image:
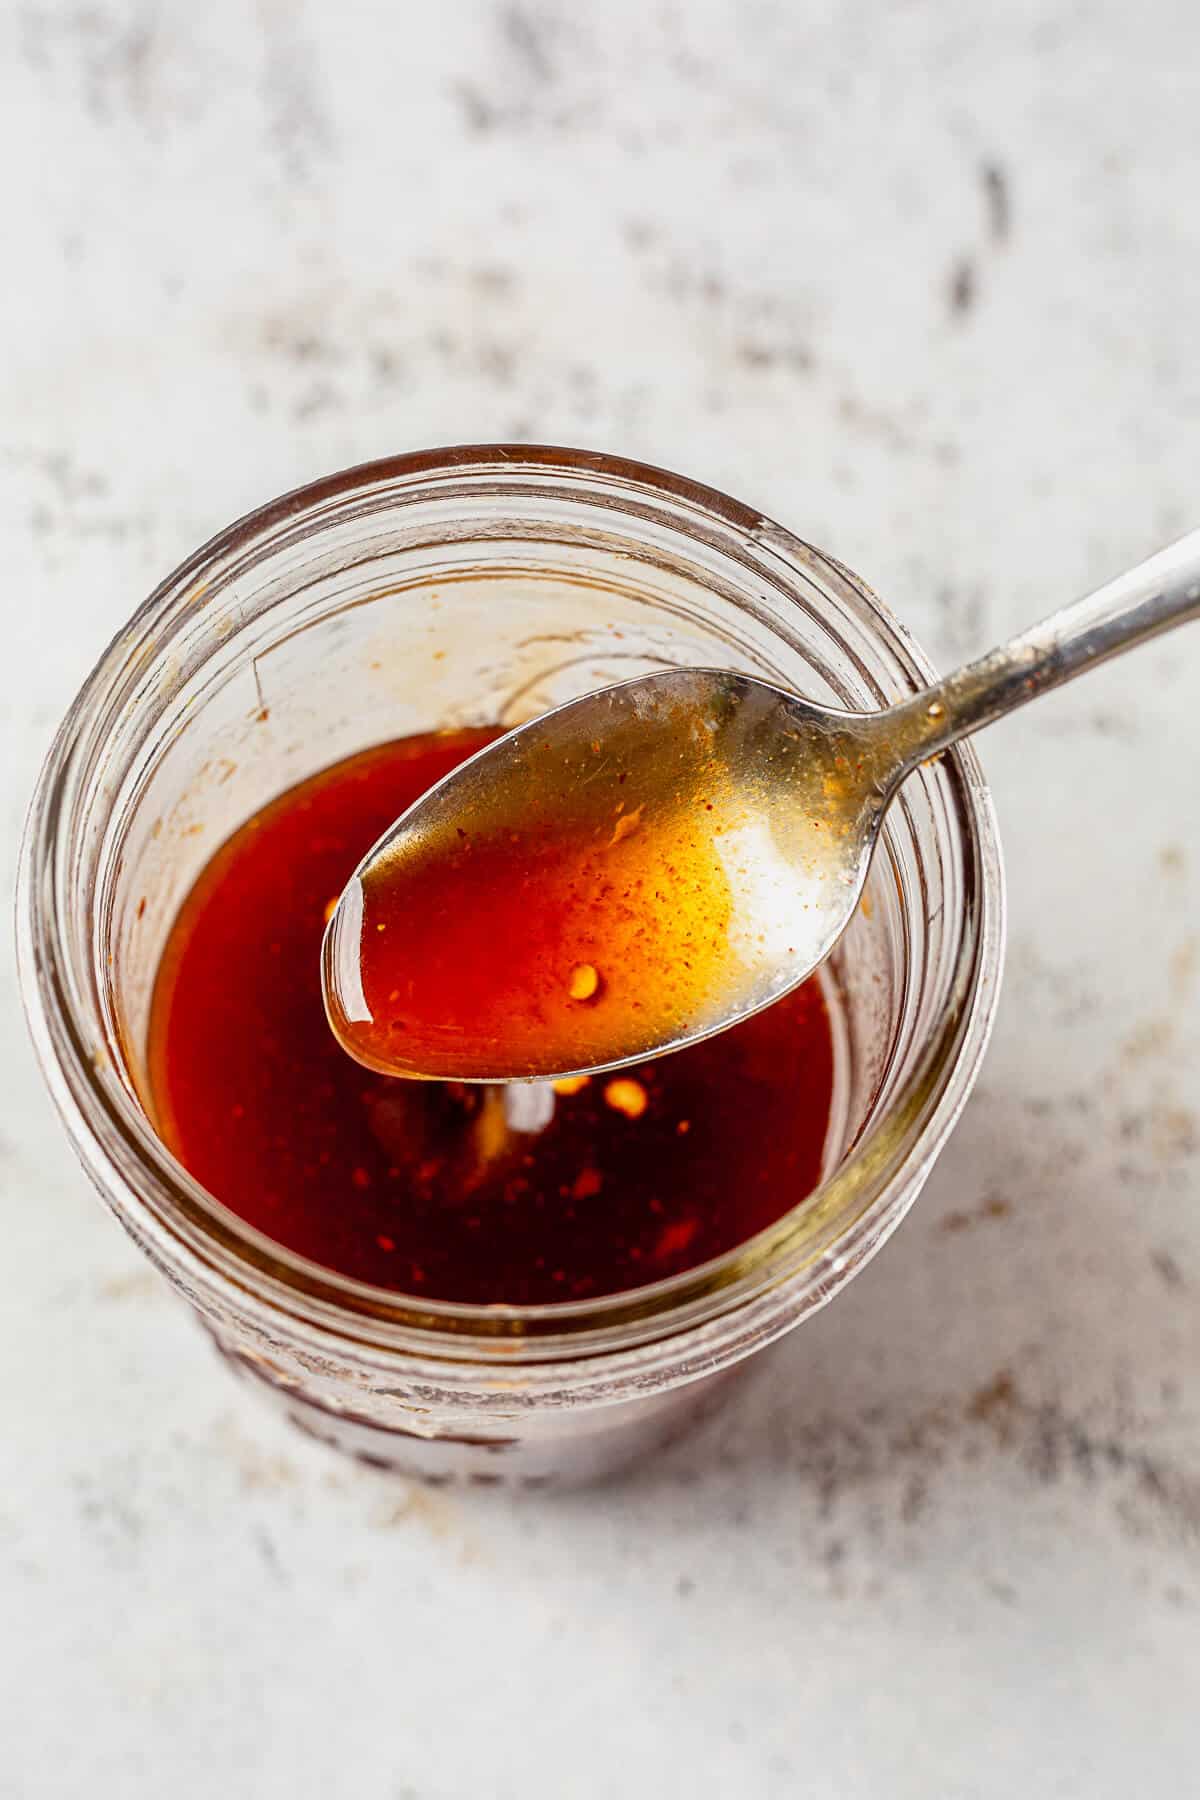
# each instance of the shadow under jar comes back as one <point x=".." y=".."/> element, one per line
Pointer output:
<point x="450" y="589"/>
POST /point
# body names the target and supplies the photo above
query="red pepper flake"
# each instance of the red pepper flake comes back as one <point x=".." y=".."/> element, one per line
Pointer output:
<point x="584" y="982"/>
<point x="385" y="1243"/>
<point x="587" y="1183"/>
<point x="360" y="1178"/>
<point x="626" y="825"/>
<point x="626" y="1096"/>
<point x="676" y="1237"/>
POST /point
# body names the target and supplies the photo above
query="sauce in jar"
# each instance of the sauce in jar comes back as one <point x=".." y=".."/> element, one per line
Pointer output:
<point x="516" y="1195"/>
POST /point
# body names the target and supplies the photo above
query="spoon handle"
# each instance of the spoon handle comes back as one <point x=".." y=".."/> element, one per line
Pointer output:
<point x="1161" y="592"/>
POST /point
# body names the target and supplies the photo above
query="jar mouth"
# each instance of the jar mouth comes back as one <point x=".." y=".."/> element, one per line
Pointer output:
<point x="825" y="1234"/>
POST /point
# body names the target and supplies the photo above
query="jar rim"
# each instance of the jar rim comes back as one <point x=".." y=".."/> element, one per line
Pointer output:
<point x="823" y="1233"/>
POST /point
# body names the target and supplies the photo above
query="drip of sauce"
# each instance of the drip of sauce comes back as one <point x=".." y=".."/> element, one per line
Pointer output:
<point x="481" y="1194"/>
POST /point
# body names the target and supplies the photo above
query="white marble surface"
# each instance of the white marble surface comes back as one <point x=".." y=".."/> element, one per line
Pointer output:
<point x="923" y="282"/>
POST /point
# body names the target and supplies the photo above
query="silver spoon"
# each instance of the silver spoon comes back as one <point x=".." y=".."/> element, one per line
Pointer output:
<point x="788" y="798"/>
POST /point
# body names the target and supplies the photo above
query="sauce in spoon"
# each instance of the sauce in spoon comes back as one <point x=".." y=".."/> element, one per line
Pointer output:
<point x="598" y="926"/>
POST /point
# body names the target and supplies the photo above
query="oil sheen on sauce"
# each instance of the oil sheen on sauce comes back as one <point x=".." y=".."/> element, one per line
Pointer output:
<point x="436" y="1188"/>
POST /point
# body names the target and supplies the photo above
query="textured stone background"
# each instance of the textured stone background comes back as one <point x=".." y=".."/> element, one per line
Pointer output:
<point x="922" y="281"/>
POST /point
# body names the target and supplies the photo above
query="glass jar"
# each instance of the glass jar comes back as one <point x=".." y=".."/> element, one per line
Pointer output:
<point x="453" y="588"/>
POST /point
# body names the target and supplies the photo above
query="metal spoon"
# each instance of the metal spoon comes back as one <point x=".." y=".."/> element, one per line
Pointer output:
<point x="777" y="800"/>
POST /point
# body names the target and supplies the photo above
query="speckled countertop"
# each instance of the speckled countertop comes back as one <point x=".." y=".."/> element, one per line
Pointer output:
<point x="921" y="281"/>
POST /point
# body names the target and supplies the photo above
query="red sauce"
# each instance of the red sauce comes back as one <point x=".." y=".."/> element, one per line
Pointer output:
<point x="426" y="1187"/>
<point x="597" y="925"/>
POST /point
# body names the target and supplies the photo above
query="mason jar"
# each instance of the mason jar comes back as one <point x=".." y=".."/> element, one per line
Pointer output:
<point x="480" y="586"/>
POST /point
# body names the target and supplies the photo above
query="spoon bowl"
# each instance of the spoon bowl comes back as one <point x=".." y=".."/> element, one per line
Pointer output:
<point x="725" y="826"/>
